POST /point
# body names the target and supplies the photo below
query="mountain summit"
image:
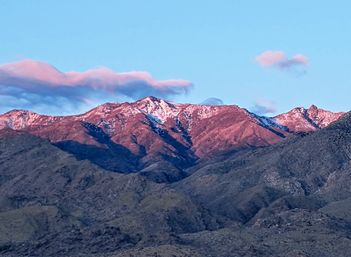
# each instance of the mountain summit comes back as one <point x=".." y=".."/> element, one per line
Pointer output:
<point x="307" y="120"/>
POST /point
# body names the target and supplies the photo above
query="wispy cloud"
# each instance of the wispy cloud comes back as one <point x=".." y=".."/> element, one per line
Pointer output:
<point x="280" y="60"/>
<point x="263" y="106"/>
<point x="212" y="101"/>
<point x="41" y="87"/>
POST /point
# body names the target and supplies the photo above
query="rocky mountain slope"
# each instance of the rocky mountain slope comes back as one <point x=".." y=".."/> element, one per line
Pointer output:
<point x="289" y="196"/>
<point x="289" y="199"/>
<point x="159" y="138"/>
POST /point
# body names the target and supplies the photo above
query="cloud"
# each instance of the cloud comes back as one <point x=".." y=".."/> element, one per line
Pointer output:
<point x="263" y="106"/>
<point x="279" y="59"/>
<point x="212" y="101"/>
<point x="41" y="87"/>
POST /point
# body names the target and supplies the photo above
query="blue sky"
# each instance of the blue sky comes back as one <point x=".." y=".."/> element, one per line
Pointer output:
<point x="213" y="44"/>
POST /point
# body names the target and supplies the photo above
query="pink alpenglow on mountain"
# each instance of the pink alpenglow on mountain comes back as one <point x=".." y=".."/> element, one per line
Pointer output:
<point x="152" y="130"/>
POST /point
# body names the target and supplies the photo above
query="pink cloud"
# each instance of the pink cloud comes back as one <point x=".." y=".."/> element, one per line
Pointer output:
<point x="100" y="78"/>
<point x="279" y="59"/>
<point x="301" y="59"/>
<point x="36" y="82"/>
<point x="270" y="58"/>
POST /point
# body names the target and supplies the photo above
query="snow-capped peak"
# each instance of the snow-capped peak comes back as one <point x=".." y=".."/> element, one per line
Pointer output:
<point x="159" y="109"/>
<point x="301" y="119"/>
<point x="17" y="119"/>
<point x="322" y="118"/>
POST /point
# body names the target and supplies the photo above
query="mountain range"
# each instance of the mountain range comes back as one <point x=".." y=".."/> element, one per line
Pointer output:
<point x="153" y="178"/>
<point x="152" y="133"/>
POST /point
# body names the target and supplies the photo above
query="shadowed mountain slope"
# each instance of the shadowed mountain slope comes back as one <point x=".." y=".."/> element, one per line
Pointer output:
<point x="53" y="205"/>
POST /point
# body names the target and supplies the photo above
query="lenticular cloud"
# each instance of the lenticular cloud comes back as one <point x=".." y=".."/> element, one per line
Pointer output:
<point x="212" y="101"/>
<point x="40" y="86"/>
<point x="263" y="106"/>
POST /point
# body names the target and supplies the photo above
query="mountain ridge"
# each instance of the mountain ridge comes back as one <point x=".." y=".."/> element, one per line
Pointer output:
<point x="129" y="137"/>
<point x="313" y="109"/>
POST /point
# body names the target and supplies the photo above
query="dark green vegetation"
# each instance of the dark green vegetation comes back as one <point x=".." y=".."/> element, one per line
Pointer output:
<point x="290" y="199"/>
